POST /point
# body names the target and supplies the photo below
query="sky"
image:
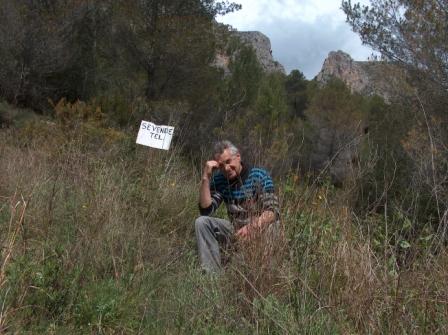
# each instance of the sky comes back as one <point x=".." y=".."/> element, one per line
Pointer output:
<point x="302" y="32"/>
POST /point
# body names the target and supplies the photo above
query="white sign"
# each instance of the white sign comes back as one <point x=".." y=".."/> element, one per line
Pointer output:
<point x="155" y="136"/>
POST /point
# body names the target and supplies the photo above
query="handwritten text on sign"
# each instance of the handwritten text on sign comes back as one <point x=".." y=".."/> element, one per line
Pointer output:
<point x="155" y="136"/>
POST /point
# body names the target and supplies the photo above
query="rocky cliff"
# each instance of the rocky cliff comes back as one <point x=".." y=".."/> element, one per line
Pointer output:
<point x="262" y="47"/>
<point x="367" y="77"/>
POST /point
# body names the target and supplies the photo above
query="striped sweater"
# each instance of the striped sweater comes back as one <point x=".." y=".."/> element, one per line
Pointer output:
<point x="246" y="197"/>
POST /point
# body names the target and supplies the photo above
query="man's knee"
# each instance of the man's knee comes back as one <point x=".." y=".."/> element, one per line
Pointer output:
<point x="201" y="222"/>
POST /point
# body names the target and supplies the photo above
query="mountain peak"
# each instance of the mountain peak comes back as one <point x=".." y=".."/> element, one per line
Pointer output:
<point x="381" y="78"/>
<point x="262" y="46"/>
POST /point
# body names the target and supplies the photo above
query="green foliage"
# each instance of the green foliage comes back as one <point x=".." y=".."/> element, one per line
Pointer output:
<point x="100" y="304"/>
<point x="74" y="50"/>
<point x="296" y="88"/>
<point x="388" y="184"/>
<point x="172" y="53"/>
<point x="336" y="121"/>
<point x="12" y="116"/>
<point x="50" y="288"/>
<point x="382" y="151"/>
<point x="412" y="35"/>
<point x="246" y="76"/>
<point x="42" y="46"/>
<point x="261" y="122"/>
<point x="410" y="32"/>
<point x="336" y="107"/>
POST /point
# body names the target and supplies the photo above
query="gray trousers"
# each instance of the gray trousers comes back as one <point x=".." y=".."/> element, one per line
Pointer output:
<point x="210" y="233"/>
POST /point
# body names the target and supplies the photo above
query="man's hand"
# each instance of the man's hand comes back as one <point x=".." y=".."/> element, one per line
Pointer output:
<point x="245" y="232"/>
<point x="208" y="169"/>
<point x="256" y="224"/>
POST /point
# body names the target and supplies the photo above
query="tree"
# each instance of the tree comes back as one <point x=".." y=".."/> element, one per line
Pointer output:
<point x="72" y="48"/>
<point x="337" y="118"/>
<point x="247" y="73"/>
<point x="171" y="41"/>
<point x="48" y="50"/>
<point x="413" y="34"/>
<point x="296" y="86"/>
<point x="410" y="32"/>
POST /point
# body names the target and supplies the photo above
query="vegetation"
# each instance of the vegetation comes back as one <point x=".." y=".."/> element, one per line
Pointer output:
<point x="97" y="234"/>
<point x="410" y="34"/>
<point x="97" y="237"/>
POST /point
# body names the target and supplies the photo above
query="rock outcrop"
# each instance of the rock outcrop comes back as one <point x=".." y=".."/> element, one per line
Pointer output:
<point x="340" y="65"/>
<point x="262" y="47"/>
<point x="366" y="77"/>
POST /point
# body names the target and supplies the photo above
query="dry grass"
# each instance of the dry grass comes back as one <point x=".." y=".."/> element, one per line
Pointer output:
<point x="97" y="238"/>
<point x="365" y="289"/>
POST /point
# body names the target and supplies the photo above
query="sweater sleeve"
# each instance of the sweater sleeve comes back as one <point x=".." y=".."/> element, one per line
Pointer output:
<point x="217" y="199"/>
<point x="216" y="202"/>
<point x="269" y="200"/>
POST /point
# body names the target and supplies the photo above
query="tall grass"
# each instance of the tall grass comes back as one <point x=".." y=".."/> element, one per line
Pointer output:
<point x="97" y="237"/>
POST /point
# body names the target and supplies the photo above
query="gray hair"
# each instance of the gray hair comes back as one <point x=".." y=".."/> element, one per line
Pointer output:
<point x="220" y="146"/>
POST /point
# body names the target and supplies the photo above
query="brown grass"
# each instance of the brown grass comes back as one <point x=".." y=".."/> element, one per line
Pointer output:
<point x="100" y="212"/>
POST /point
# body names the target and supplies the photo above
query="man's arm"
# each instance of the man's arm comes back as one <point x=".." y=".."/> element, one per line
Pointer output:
<point x="205" y="197"/>
<point x="270" y="211"/>
<point x="257" y="223"/>
<point x="207" y="202"/>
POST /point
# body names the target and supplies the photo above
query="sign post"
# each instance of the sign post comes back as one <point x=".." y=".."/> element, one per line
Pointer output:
<point x="155" y="136"/>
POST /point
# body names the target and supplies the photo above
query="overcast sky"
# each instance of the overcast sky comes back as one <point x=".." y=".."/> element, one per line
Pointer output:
<point x="302" y="32"/>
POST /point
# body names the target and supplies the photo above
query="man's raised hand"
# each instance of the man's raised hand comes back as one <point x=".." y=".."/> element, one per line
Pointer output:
<point x="208" y="169"/>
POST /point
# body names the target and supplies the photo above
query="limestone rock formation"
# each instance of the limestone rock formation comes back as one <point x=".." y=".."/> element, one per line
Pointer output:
<point x="262" y="47"/>
<point x="340" y="65"/>
<point x="364" y="77"/>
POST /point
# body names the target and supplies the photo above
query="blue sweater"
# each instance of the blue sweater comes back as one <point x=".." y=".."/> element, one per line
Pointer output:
<point x="246" y="197"/>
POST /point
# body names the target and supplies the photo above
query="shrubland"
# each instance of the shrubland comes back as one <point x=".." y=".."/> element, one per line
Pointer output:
<point x="96" y="232"/>
<point x="97" y="237"/>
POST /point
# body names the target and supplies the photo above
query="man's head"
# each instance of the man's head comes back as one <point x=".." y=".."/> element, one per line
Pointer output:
<point x="228" y="157"/>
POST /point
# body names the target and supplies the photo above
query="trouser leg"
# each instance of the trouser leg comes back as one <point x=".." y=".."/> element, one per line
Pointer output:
<point x="209" y="232"/>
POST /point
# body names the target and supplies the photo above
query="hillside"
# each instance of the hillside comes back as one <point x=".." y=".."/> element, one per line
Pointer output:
<point x="98" y="237"/>
<point x="97" y="233"/>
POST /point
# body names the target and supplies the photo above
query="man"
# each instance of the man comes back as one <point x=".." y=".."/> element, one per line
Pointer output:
<point x="248" y="193"/>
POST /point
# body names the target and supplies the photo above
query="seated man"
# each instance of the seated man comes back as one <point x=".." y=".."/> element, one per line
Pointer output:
<point x="248" y="193"/>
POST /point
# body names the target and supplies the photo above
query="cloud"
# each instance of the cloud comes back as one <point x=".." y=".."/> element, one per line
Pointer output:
<point x="304" y="46"/>
<point x="302" y="32"/>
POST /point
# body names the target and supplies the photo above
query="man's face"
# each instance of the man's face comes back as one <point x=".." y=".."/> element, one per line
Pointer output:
<point x="229" y="164"/>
